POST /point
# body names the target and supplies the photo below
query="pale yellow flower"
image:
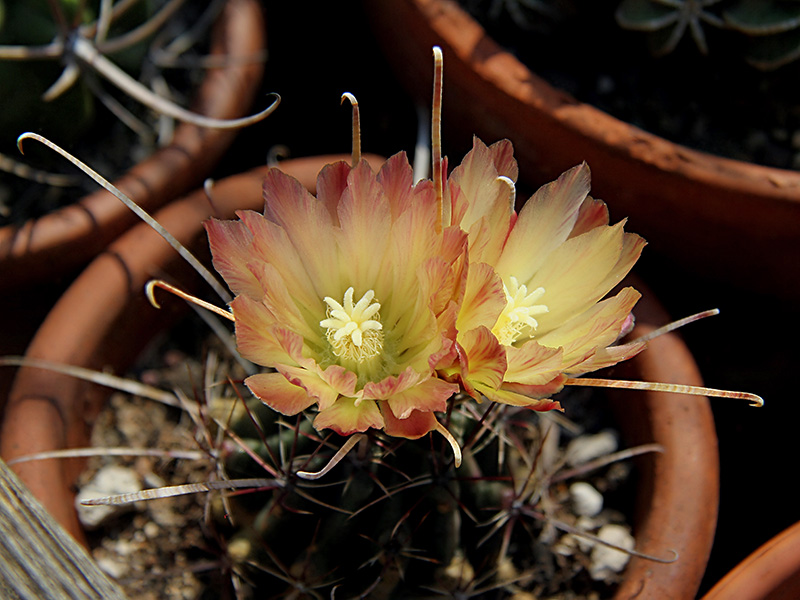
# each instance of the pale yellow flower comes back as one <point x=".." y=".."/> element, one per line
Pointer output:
<point x="533" y="313"/>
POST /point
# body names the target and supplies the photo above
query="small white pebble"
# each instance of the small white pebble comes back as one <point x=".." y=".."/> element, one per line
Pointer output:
<point x="114" y="568"/>
<point x="586" y="500"/>
<point x="606" y="561"/>
<point x="109" y="481"/>
<point x="588" y="447"/>
<point x="151" y="530"/>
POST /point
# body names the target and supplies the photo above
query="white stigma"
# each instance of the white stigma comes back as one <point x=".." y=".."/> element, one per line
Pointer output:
<point x="354" y="331"/>
<point x="518" y="315"/>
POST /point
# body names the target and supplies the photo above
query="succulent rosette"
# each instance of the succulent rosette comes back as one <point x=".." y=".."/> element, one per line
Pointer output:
<point x="350" y="296"/>
<point x="533" y="312"/>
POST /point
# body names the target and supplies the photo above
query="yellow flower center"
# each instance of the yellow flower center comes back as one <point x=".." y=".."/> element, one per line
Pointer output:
<point x="354" y="331"/>
<point x="517" y="316"/>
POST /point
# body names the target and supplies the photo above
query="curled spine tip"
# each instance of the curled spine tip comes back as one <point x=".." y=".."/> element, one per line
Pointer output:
<point x="337" y="458"/>
<point x="510" y="183"/>
<point x="672" y="388"/>
<point x="436" y="133"/>
<point x="677" y="324"/>
<point x="452" y="441"/>
<point x="149" y="290"/>
<point x="158" y="283"/>
<point x="25" y="136"/>
<point x="356" y="126"/>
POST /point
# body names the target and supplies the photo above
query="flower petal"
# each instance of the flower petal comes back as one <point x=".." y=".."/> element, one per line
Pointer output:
<point x="490" y="200"/>
<point x="483" y="358"/>
<point x="279" y="394"/>
<point x="532" y="363"/>
<point x="505" y="396"/>
<point x="363" y="239"/>
<point x="397" y="180"/>
<point x="575" y="274"/>
<point x="484" y="298"/>
<point x="324" y="386"/>
<point x="412" y="391"/>
<point x="543" y="224"/>
<point x="259" y="338"/>
<point x="331" y="183"/>
<point x="230" y="248"/>
<point x="595" y="328"/>
<point x="413" y="427"/>
<point x="308" y="227"/>
<point x="345" y="418"/>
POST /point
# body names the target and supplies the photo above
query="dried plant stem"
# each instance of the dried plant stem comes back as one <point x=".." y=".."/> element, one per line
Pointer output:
<point x="452" y="441"/>
<point x="105" y="379"/>
<point x="673" y="388"/>
<point x="356" y="127"/>
<point x="598" y="463"/>
<point x="86" y="51"/>
<point x="207" y="275"/>
<point x="154" y="283"/>
<point x="9" y="165"/>
<point x="144" y="30"/>
<point x="98" y="451"/>
<point x="349" y="444"/>
<point x="436" y="134"/>
<point x="598" y="540"/>
<point x="182" y="490"/>
<point x="676" y="325"/>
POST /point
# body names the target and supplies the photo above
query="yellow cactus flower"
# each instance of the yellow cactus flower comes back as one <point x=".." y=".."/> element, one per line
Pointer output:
<point x="349" y="296"/>
<point x="533" y="312"/>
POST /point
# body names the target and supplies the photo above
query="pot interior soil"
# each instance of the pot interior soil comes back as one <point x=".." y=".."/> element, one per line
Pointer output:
<point x="716" y="103"/>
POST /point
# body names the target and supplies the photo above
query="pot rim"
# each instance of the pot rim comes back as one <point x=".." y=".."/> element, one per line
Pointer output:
<point x="63" y="240"/>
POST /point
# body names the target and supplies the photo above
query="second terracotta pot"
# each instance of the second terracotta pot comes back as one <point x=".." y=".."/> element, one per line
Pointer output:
<point x="720" y="218"/>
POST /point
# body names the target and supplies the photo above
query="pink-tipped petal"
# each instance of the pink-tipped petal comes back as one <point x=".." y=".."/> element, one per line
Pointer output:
<point x="345" y="418"/>
<point x="325" y="387"/>
<point x="413" y="427"/>
<point x="511" y="398"/>
<point x="279" y="394"/>
<point x="396" y="177"/>
<point x="230" y="248"/>
<point x="593" y="213"/>
<point x="430" y="396"/>
<point x="271" y="245"/>
<point x="256" y="331"/>
<point x="502" y="154"/>
<point x="331" y="183"/>
<point x="364" y="236"/>
<point x="307" y="226"/>
<point x="484" y="298"/>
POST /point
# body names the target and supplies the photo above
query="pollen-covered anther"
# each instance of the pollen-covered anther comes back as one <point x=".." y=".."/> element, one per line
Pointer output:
<point x="354" y="330"/>
<point x="517" y="317"/>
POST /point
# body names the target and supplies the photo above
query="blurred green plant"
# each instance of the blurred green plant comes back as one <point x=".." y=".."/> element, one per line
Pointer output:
<point x="771" y="26"/>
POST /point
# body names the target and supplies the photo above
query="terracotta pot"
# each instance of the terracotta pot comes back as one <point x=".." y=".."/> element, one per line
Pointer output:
<point x="104" y="319"/>
<point x="718" y="217"/>
<point x="68" y="238"/>
<point x="770" y="573"/>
